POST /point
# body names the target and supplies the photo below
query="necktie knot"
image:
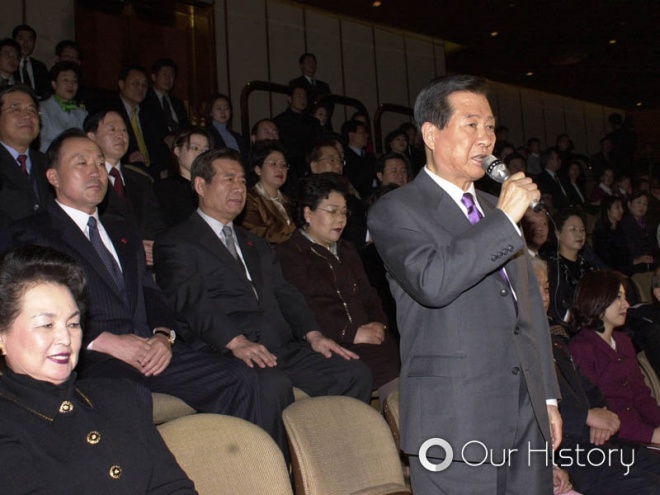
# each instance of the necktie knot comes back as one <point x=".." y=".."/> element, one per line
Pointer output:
<point x="91" y="222"/>
<point x="474" y="215"/>
<point x="22" y="161"/>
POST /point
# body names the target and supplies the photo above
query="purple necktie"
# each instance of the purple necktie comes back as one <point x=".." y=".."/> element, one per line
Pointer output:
<point x="474" y="215"/>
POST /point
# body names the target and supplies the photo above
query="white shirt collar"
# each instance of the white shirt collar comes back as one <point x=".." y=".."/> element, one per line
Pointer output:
<point x="216" y="225"/>
<point x="455" y="192"/>
<point x="79" y="217"/>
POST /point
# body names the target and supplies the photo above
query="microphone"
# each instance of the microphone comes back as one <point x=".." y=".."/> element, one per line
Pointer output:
<point x="498" y="171"/>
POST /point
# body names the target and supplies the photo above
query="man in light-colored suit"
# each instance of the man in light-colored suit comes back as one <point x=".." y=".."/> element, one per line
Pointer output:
<point x="477" y="364"/>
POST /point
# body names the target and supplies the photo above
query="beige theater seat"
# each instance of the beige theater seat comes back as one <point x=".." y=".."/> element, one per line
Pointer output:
<point x="341" y="446"/>
<point x="167" y="408"/>
<point x="224" y="455"/>
<point x="650" y="377"/>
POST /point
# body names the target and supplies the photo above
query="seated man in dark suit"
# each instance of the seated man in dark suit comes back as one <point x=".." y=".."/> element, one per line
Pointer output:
<point x="23" y="186"/>
<point x="360" y="167"/>
<point x="129" y="331"/>
<point x="552" y="192"/>
<point x="589" y="426"/>
<point x="31" y="72"/>
<point x="314" y="87"/>
<point x="230" y="296"/>
<point x="169" y="107"/>
<point x="131" y="196"/>
<point x="146" y="130"/>
<point x="10" y="54"/>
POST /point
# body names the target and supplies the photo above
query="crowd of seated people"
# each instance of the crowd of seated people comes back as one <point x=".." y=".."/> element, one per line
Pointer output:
<point x="140" y="174"/>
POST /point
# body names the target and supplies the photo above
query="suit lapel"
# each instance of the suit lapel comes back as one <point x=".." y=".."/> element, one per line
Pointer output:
<point x="251" y="257"/>
<point x="119" y="235"/>
<point x="74" y="237"/>
<point x="445" y="211"/>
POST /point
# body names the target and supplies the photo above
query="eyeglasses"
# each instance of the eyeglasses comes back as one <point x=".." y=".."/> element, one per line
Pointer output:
<point x="282" y="165"/>
<point x="336" y="213"/>
<point x="18" y="109"/>
<point x="332" y="159"/>
<point x="198" y="149"/>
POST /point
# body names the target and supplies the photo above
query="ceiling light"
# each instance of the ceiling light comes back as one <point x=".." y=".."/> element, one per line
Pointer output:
<point x="612" y="42"/>
<point x="529" y="74"/>
<point x="494" y="33"/>
<point x="639" y="103"/>
<point x="376" y="3"/>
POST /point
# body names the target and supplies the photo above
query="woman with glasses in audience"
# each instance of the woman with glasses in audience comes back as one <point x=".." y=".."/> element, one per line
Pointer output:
<point x="268" y="211"/>
<point x="329" y="273"/>
<point x="59" y="434"/>
<point x="175" y="194"/>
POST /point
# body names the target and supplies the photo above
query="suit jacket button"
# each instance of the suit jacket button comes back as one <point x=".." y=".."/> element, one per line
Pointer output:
<point x="515" y="370"/>
<point x="516" y="331"/>
<point x="504" y="292"/>
<point x="115" y="472"/>
<point x="510" y="248"/>
<point x="493" y="258"/>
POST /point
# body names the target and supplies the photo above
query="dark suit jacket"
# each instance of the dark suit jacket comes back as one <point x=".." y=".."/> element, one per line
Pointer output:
<point x="361" y="172"/>
<point x="218" y="142"/>
<point x="154" y="130"/>
<point x="33" y="431"/>
<point x="17" y="192"/>
<point x="547" y="185"/>
<point x="41" y="78"/>
<point x="463" y="344"/>
<point x="140" y="209"/>
<point x="319" y="88"/>
<point x="213" y="299"/>
<point x="107" y="310"/>
<point x="154" y="103"/>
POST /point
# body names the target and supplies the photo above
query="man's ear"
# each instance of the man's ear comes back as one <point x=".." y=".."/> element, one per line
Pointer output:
<point x="53" y="179"/>
<point x="199" y="186"/>
<point x="429" y="131"/>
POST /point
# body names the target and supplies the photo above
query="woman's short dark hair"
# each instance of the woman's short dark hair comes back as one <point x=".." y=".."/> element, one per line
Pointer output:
<point x="208" y="107"/>
<point x="391" y="137"/>
<point x="314" y="189"/>
<point x="60" y="67"/>
<point x="25" y="267"/>
<point x="563" y="215"/>
<point x="593" y="295"/>
<point x="638" y="194"/>
<point x="258" y="154"/>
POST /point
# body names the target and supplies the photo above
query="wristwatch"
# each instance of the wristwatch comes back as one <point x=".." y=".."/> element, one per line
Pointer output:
<point x="169" y="333"/>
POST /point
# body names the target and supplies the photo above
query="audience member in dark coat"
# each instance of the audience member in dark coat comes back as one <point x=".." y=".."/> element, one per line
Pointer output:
<point x="31" y="72"/>
<point x="639" y="235"/>
<point x="553" y="193"/>
<point x="159" y="97"/>
<point x="218" y="113"/>
<point x="314" y="87"/>
<point x="360" y="167"/>
<point x="175" y="194"/>
<point x="22" y="193"/>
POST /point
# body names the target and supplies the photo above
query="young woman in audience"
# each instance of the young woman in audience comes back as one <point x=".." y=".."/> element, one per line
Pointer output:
<point x="58" y="433"/>
<point x="175" y="194"/>
<point x="605" y="188"/>
<point x="574" y="184"/>
<point x="321" y="114"/>
<point x="609" y="240"/>
<point x="218" y="112"/>
<point x="329" y="273"/>
<point x="396" y="141"/>
<point x="640" y="236"/>
<point x="60" y="111"/>
<point x="608" y="358"/>
<point x="566" y="266"/>
<point x="269" y="212"/>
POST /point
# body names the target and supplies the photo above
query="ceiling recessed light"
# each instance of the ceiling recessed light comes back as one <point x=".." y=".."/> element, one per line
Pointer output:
<point x="494" y="33"/>
<point x="529" y="74"/>
<point x="376" y="3"/>
<point x="639" y="103"/>
<point x="612" y="42"/>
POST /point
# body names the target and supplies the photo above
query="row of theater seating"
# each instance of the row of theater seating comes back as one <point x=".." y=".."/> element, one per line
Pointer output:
<point x="339" y="446"/>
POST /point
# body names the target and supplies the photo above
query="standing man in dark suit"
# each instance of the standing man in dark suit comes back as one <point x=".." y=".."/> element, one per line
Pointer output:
<point x="23" y="186"/>
<point x="146" y="130"/>
<point x="10" y="54"/>
<point x="475" y="348"/>
<point x="129" y="332"/>
<point x="130" y="195"/>
<point x="230" y="296"/>
<point x="314" y="87"/>
<point x="31" y="72"/>
<point x="159" y="97"/>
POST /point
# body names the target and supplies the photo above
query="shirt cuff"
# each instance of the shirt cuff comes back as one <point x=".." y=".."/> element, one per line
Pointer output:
<point x="552" y="402"/>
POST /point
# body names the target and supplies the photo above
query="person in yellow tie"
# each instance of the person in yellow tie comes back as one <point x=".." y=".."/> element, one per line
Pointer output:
<point x="147" y="148"/>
